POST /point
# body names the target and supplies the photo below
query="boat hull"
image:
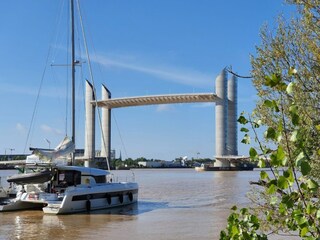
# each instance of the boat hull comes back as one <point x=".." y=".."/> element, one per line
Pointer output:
<point x="17" y="204"/>
<point x="84" y="199"/>
<point x="209" y="168"/>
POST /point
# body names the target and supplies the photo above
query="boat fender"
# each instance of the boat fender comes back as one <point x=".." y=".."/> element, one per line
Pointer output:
<point x="120" y="198"/>
<point x="108" y="199"/>
<point x="130" y="195"/>
<point x="88" y="205"/>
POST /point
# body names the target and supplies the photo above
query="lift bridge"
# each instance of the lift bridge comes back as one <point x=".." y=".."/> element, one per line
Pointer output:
<point x="225" y="99"/>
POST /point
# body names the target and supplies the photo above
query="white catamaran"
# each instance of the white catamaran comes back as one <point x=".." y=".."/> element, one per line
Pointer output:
<point x="52" y="185"/>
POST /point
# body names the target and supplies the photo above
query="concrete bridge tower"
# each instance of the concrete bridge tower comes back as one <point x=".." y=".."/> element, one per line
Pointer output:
<point x="89" y="150"/>
<point x="226" y="118"/>
<point x="221" y="114"/>
<point x="106" y="125"/>
<point x="232" y="144"/>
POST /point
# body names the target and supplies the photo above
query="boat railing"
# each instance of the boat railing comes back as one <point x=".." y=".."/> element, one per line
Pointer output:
<point x="35" y="188"/>
<point x="118" y="179"/>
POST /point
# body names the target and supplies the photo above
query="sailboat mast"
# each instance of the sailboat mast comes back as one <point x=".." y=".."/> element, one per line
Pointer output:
<point x="72" y="77"/>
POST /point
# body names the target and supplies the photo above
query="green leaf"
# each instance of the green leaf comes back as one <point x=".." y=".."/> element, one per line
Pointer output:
<point x="304" y="231"/>
<point x="234" y="230"/>
<point x="234" y="208"/>
<point x="282" y="182"/>
<point x="253" y="153"/>
<point x="273" y="200"/>
<point x="246" y="139"/>
<point x="301" y="220"/>
<point x="310" y="209"/>
<point x="318" y="214"/>
<point x="268" y="103"/>
<point x="273" y="80"/>
<point x="242" y="120"/>
<point x="280" y="153"/>
<point x="301" y="157"/>
<point x="288" y="201"/>
<point x="272" y="189"/>
<point x="282" y="208"/>
<point x="244" y="129"/>
<point x="305" y="168"/>
<point x="289" y="89"/>
<point x="263" y="175"/>
<point x="304" y="186"/>
<point x="295" y="119"/>
<point x="293" y="110"/>
<point x="270" y="133"/>
<point x="223" y="235"/>
<point x="255" y="221"/>
<point x="278" y="158"/>
<point x="261" y="163"/>
<point x="288" y="174"/>
<point x="256" y="124"/>
<point x="312" y="184"/>
<point x="244" y="211"/>
<point x="293" y="137"/>
<point x="292" y="71"/>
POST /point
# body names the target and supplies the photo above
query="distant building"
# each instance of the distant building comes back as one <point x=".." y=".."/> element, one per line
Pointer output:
<point x="158" y="164"/>
<point x="150" y="164"/>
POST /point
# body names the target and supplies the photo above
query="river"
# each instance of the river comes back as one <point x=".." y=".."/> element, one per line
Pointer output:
<point x="173" y="204"/>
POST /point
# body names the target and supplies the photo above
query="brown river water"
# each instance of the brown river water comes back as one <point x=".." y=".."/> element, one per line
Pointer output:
<point x="173" y="204"/>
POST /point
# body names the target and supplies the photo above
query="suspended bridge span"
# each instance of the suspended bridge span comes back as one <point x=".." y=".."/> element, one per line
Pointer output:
<point x="156" y="99"/>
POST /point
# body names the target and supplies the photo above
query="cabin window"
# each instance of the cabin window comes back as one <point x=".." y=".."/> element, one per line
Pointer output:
<point x="69" y="178"/>
<point x="100" y="179"/>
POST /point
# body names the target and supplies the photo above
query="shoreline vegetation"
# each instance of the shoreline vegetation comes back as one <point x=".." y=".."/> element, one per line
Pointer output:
<point x="285" y="73"/>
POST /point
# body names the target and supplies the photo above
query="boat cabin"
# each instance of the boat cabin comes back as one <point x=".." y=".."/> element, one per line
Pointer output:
<point x="65" y="176"/>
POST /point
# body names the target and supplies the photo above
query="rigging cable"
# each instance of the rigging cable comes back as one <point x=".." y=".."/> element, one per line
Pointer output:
<point x="92" y="79"/>
<point x="124" y="148"/>
<point x="113" y="113"/>
<point x="235" y="74"/>
<point x="31" y="125"/>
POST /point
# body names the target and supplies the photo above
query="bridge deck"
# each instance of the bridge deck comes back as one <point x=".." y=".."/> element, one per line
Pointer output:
<point x="157" y="99"/>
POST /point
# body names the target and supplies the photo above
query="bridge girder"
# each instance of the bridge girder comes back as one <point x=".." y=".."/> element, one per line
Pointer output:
<point x="156" y="99"/>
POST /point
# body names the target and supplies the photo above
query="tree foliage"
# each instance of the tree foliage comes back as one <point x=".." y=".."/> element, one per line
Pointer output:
<point x="286" y="74"/>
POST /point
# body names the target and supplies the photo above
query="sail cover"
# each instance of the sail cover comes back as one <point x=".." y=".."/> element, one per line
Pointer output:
<point x="65" y="147"/>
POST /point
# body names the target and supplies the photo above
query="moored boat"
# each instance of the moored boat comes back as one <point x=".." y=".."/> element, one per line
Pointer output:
<point x="62" y="189"/>
<point x="211" y="167"/>
<point x="78" y="189"/>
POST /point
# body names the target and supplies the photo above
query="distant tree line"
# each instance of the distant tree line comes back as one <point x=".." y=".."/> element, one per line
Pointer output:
<point x="134" y="163"/>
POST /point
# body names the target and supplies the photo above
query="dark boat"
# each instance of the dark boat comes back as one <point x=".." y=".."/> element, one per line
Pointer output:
<point x="31" y="178"/>
<point x="210" y="167"/>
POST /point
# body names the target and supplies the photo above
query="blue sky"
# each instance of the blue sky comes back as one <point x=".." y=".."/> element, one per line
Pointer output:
<point x="138" y="48"/>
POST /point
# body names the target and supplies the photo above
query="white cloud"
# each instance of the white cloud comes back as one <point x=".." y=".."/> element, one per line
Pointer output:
<point x="164" y="107"/>
<point x="20" y="127"/>
<point x="173" y="74"/>
<point x="204" y="105"/>
<point x="48" y="129"/>
<point x="32" y="91"/>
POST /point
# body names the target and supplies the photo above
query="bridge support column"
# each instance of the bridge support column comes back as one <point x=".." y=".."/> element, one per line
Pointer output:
<point x="106" y="126"/>
<point x="221" y="118"/>
<point x="89" y="152"/>
<point x="232" y="145"/>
